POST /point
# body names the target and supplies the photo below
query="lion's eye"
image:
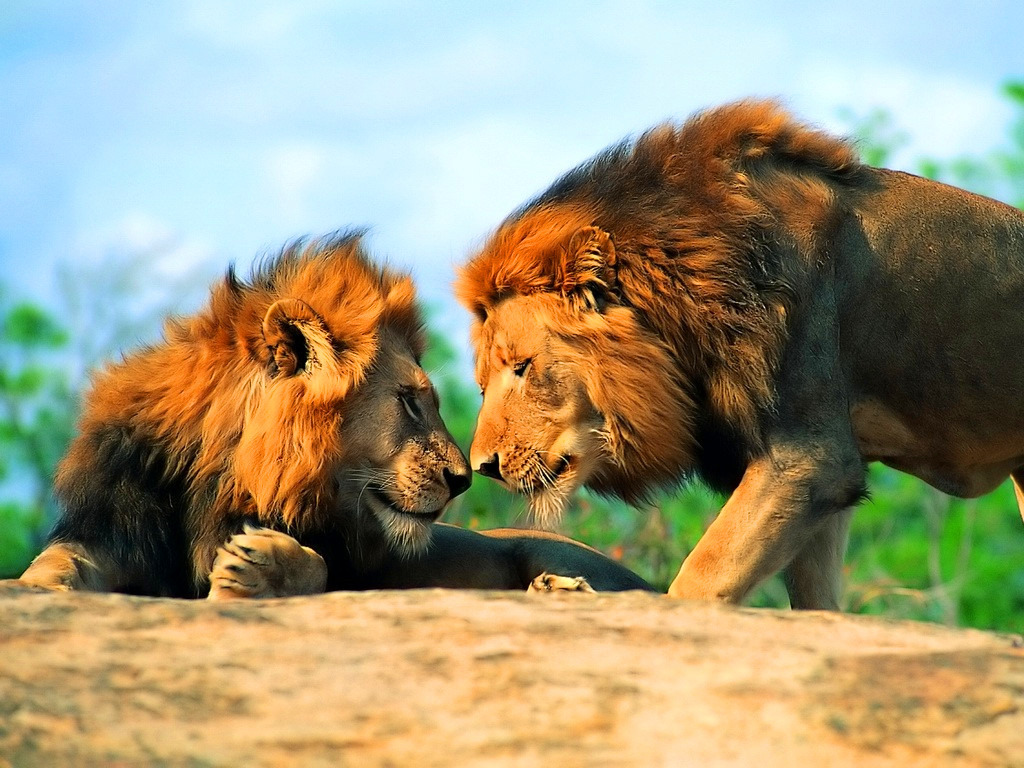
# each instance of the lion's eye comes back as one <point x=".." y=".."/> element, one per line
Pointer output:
<point x="410" y="405"/>
<point x="519" y="369"/>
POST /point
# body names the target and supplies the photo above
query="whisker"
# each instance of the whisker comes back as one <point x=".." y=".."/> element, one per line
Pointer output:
<point x="406" y="537"/>
<point x="378" y="478"/>
<point x="548" y="477"/>
<point x="439" y="371"/>
<point x="373" y="473"/>
<point x="359" y="498"/>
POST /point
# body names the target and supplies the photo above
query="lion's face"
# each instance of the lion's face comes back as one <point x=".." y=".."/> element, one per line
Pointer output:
<point x="400" y="466"/>
<point x="578" y="389"/>
<point x="340" y="426"/>
<point x="538" y="431"/>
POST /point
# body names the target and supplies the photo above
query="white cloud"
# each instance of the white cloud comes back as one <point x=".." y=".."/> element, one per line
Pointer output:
<point x="133" y="231"/>
<point x="160" y="259"/>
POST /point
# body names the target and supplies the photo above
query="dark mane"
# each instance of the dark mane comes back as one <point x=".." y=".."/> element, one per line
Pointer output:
<point x="747" y="137"/>
<point x="705" y="207"/>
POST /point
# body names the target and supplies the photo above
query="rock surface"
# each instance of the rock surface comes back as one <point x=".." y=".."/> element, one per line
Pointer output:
<point x="434" y="678"/>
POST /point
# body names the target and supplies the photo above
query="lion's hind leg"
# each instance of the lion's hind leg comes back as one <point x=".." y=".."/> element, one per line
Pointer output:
<point x="550" y="582"/>
<point x="68" y="566"/>
<point x="262" y="562"/>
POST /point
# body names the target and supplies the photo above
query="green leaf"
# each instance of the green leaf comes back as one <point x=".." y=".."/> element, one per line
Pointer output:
<point x="29" y="381"/>
<point x="16" y="534"/>
<point x="29" y="325"/>
<point x="929" y="168"/>
<point x="1015" y="90"/>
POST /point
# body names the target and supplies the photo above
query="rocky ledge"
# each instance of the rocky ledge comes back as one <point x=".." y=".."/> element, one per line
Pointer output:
<point x="438" y="678"/>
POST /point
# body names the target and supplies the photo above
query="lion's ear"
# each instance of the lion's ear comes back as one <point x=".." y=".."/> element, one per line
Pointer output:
<point x="296" y="337"/>
<point x="588" y="268"/>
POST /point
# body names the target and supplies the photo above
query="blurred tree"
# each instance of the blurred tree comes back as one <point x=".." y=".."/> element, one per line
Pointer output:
<point x="117" y="297"/>
<point x="37" y="411"/>
<point x="998" y="174"/>
<point x="109" y="302"/>
<point x="877" y="135"/>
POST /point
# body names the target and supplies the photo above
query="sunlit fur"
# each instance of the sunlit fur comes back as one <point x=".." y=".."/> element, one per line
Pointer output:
<point x="207" y="414"/>
<point x="675" y="321"/>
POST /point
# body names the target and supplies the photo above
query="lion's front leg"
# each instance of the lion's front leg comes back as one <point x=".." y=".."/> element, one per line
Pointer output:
<point x="66" y="566"/>
<point x="262" y="562"/>
<point x="784" y="511"/>
<point x="788" y="513"/>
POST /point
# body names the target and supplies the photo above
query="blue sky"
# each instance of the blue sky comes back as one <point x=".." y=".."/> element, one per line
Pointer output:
<point x="219" y="130"/>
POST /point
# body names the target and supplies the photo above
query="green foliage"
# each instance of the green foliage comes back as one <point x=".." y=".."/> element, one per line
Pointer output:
<point x="999" y="174"/>
<point x="917" y="553"/>
<point x="17" y="541"/>
<point x="36" y="416"/>
<point x="876" y="135"/>
<point x="29" y="326"/>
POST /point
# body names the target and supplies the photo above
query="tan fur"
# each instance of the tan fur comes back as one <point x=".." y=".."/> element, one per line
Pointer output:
<point x="738" y="297"/>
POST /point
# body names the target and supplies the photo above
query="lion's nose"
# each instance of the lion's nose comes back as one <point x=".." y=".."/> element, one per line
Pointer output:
<point x="457" y="483"/>
<point x="491" y="468"/>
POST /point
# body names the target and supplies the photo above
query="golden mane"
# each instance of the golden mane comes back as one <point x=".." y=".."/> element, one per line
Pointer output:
<point x="211" y="414"/>
<point x="698" y="206"/>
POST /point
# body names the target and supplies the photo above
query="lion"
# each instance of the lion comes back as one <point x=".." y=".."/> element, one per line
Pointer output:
<point x="740" y="299"/>
<point x="282" y="441"/>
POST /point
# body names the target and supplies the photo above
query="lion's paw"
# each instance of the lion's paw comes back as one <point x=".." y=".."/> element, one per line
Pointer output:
<point x="550" y="582"/>
<point x="262" y="562"/>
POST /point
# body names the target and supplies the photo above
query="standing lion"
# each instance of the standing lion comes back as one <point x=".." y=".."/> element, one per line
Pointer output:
<point x="738" y="297"/>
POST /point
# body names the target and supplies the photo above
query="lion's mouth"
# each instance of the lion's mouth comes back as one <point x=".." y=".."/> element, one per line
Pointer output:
<point x="381" y="498"/>
<point x="407" y="532"/>
<point x="550" y="493"/>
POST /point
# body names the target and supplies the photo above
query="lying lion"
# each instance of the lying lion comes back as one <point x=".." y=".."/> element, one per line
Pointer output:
<point x="291" y="419"/>
<point x="740" y="298"/>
